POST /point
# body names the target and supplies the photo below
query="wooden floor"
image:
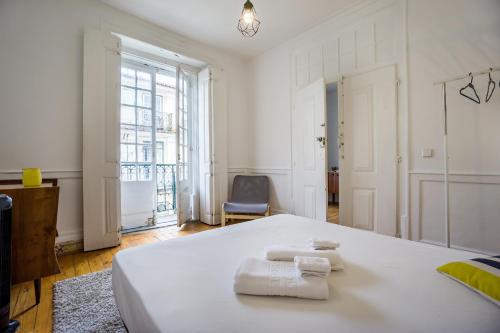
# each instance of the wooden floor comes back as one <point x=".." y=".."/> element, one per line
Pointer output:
<point x="333" y="213"/>
<point x="39" y="318"/>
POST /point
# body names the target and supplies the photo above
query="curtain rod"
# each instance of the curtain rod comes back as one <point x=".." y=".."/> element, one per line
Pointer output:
<point x="486" y="71"/>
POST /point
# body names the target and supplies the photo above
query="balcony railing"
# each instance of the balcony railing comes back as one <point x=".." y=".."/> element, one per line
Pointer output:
<point x="165" y="183"/>
<point x="165" y="188"/>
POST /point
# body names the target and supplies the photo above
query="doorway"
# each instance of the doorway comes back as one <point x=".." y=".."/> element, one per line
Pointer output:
<point x="155" y="144"/>
<point x="332" y="134"/>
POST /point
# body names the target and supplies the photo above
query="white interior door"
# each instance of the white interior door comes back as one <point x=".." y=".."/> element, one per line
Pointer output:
<point x="368" y="171"/>
<point x="309" y="152"/>
<point x="101" y="137"/>
<point x="212" y="116"/>
<point x="184" y="145"/>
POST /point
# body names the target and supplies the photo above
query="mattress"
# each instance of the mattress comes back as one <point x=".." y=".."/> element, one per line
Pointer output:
<point x="388" y="285"/>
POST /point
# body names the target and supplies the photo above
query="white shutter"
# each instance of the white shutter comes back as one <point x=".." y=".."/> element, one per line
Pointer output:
<point x="219" y="142"/>
<point x="184" y="143"/>
<point x="212" y="143"/>
<point x="101" y="141"/>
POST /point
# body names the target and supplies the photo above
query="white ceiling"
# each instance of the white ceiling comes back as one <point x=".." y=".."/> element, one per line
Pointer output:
<point x="214" y="21"/>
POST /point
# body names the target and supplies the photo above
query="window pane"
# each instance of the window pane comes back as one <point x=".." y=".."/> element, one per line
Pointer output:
<point x="144" y="98"/>
<point x="159" y="153"/>
<point x="127" y="133"/>
<point x="144" y="80"/>
<point x="159" y="103"/>
<point x="127" y="153"/>
<point x="144" y="117"/>
<point x="161" y="121"/>
<point x="166" y="80"/>
<point x="128" y="96"/>
<point x="127" y="115"/>
<point x="128" y="77"/>
<point x="144" y="135"/>
<point x="145" y="153"/>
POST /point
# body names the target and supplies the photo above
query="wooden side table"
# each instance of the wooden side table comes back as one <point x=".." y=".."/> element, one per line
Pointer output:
<point x="333" y="184"/>
<point x="34" y="222"/>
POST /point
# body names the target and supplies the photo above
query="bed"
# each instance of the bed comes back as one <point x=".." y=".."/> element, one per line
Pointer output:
<point x="388" y="285"/>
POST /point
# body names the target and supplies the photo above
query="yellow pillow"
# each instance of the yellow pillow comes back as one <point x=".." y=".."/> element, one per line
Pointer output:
<point x="480" y="274"/>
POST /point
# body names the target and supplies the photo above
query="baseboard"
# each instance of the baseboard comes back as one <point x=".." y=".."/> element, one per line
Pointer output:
<point x="275" y="211"/>
<point x="69" y="236"/>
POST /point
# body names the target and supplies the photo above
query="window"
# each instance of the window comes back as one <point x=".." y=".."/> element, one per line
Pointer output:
<point x="136" y="125"/>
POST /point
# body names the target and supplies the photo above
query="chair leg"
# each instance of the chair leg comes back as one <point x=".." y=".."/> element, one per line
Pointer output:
<point x="222" y="216"/>
<point x="268" y="212"/>
<point x="38" y="287"/>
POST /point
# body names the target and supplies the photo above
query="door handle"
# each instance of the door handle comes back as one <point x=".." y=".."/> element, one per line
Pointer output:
<point x="321" y="140"/>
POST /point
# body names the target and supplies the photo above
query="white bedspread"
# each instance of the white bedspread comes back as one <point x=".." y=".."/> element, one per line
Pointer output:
<point x="388" y="285"/>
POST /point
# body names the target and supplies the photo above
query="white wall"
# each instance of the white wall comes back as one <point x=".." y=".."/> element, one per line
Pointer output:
<point x="332" y="127"/>
<point x="443" y="38"/>
<point x="41" y="47"/>
<point x="458" y="37"/>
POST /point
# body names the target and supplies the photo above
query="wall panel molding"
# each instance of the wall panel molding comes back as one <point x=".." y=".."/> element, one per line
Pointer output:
<point x="474" y="209"/>
<point x="280" y="179"/>
<point x="59" y="174"/>
<point x="69" y="214"/>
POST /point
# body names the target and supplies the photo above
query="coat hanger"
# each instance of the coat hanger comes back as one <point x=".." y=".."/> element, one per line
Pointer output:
<point x="471" y="86"/>
<point x="491" y="85"/>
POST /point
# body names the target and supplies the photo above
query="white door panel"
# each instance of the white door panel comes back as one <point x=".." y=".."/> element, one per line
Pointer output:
<point x="212" y="117"/>
<point x="101" y="119"/>
<point x="368" y="176"/>
<point x="309" y="153"/>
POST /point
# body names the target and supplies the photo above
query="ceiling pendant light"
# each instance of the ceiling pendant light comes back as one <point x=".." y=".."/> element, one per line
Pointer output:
<point x="248" y="24"/>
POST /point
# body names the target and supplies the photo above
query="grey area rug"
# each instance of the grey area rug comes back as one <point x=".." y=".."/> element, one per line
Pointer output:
<point x="86" y="304"/>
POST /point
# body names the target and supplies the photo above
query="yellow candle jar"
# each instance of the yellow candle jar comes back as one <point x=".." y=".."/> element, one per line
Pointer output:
<point x="32" y="177"/>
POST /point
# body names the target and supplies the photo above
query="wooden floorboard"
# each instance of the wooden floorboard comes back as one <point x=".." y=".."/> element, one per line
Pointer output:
<point x="333" y="213"/>
<point x="38" y="318"/>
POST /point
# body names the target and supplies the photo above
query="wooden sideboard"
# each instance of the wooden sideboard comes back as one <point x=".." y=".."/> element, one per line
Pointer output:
<point x="333" y="184"/>
<point x="34" y="221"/>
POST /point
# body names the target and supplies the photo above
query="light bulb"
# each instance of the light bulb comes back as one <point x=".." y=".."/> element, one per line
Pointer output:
<point x="248" y="16"/>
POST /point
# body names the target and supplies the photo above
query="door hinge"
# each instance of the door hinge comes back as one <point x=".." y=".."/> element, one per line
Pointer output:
<point x="399" y="159"/>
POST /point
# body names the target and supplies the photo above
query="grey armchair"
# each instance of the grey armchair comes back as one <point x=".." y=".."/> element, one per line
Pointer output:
<point x="249" y="199"/>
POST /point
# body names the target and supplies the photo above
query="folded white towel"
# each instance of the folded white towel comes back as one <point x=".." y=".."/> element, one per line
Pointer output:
<point x="316" y="274"/>
<point x="288" y="253"/>
<point x="312" y="264"/>
<point x="277" y="278"/>
<point x="323" y="244"/>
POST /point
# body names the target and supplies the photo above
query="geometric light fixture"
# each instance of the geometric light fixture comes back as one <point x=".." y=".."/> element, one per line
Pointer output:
<point x="248" y="24"/>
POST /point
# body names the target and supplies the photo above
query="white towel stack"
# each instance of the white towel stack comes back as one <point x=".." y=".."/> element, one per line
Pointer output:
<point x="323" y="244"/>
<point x="277" y="278"/>
<point x="288" y="253"/>
<point x="290" y="271"/>
<point x="313" y="266"/>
